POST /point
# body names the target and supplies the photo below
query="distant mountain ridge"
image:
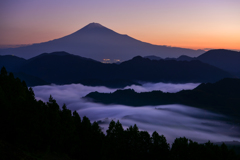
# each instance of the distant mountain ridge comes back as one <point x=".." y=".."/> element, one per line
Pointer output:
<point x="152" y="57"/>
<point x="65" y="68"/>
<point x="98" y="42"/>
<point x="227" y="60"/>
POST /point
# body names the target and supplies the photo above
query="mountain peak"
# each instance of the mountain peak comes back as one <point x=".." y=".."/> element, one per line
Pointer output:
<point x="94" y="28"/>
<point x="94" y="25"/>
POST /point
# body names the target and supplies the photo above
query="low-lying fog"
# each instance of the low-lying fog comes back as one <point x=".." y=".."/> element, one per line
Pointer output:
<point x="170" y="120"/>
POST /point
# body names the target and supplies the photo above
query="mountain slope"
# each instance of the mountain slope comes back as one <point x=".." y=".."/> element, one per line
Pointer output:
<point x="59" y="68"/>
<point x="172" y="71"/>
<point x="30" y="80"/>
<point x="225" y="59"/>
<point x="98" y="42"/>
<point x="10" y="62"/>
<point x="152" y="57"/>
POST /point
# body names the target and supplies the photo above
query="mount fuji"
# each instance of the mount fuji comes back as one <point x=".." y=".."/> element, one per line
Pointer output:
<point x="98" y="42"/>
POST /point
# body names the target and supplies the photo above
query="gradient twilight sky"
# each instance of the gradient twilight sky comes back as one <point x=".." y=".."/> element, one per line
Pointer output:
<point x="181" y="23"/>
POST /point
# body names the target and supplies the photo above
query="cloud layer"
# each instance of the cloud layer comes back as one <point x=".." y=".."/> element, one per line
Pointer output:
<point x="170" y="120"/>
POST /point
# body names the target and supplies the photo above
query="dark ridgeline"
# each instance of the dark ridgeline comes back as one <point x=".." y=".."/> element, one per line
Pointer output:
<point x="173" y="71"/>
<point x="221" y="97"/>
<point x="65" y="68"/>
<point x="224" y="59"/>
<point x="32" y="129"/>
<point x="11" y="62"/>
<point x="152" y="57"/>
<point x="184" y="58"/>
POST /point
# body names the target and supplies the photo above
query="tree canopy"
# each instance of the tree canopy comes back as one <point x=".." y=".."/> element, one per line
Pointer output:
<point x="33" y="129"/>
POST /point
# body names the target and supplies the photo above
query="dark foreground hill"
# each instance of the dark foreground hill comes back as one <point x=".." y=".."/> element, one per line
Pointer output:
<point x="221" y="97"/>
<point x="32" y="129"/>
<point x="64" y="68"/>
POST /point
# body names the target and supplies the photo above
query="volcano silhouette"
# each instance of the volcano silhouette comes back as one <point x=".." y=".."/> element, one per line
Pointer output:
<point x="98" y="42"/>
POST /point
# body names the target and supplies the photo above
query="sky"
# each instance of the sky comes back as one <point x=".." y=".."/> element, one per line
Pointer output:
<point x="186" y="23"/>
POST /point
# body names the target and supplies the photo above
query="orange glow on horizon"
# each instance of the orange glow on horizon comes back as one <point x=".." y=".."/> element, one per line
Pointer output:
<point x="185" y="24"/>
<point x="188" y="41"/>
<point x="196" y="42"/>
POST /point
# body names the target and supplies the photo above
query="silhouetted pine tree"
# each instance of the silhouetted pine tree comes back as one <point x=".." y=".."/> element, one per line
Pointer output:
<point x="29" y="127"/>
<point x="160" y="148"/>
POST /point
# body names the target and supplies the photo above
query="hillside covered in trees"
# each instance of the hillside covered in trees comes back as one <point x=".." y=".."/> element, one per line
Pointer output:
<point x="32" y="129"/>
<point x="68" y="68"/>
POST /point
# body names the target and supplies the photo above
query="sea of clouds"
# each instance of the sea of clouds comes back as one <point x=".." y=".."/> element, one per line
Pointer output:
<point x="170" y="120"/>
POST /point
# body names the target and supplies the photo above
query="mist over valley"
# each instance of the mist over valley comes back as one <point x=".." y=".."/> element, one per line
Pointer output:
<point x="170" y="120"/>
